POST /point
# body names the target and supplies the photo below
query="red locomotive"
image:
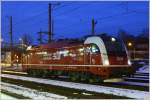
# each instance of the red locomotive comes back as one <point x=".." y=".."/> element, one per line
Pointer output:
<point x="95" y="59"/>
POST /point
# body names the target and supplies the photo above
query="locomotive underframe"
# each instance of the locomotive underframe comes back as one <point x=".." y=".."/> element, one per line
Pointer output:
<point x="99" y="71"/>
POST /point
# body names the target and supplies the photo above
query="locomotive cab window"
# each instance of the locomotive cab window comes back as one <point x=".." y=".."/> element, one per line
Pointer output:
<point x="94" y="48"/>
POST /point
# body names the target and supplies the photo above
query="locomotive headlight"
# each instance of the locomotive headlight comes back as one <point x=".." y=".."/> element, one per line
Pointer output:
<point x="106" y="62"/>
<point x="129" y="62"/>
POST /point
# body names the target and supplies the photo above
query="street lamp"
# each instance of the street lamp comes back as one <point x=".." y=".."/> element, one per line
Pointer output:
<point x="130" y="44"/>
<point x="21" y="50"/>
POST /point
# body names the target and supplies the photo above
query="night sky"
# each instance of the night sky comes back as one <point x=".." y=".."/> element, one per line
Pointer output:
<point x="73" y="19"/>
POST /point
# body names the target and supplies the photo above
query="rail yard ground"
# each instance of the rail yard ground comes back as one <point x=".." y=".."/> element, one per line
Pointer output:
<point x="139" y="87"/>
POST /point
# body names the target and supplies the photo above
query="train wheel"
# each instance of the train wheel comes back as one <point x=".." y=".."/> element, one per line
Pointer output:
<point x="98" y="79"/>
<point x="84" y="76"/>
<point x="33" y="72"/>
<point x="95" y="79"/>
<point x="38" y="73"/>
<point x="91" y="80"/>
<point x="29" y="72"/>
<point x="54" y="73"/>
<point x="74" y="76"/>
<point x="45" y="73"/>
<point x="59" y="72"/>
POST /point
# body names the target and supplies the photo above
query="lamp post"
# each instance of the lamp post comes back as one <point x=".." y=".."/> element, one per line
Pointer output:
<point x="21" y="50"/>
<point x="130" y="44"/>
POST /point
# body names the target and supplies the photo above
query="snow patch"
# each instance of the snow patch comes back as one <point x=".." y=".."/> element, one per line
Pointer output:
<point x="7" y="97"/>
<point x="134" y="83"/>
<point x="144" y="69"/>
<point x="31" y="93"/>
<point x="133" y="78"/>
<point x="93" y="88"/>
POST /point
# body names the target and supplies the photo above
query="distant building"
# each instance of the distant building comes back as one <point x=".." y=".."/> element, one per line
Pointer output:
<point x="138" y="48"/>
<point x="6" y="51"/>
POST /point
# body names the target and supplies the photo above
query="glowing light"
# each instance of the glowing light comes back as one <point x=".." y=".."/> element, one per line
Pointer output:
<point x="72" y="55"/>
<point x="106" y="62"/>
<point x="41" y="53"/>
<point x="29" y="47"/>
<point x="20" y="39"/>
<point x="113" y="39"/>
<point x="81" y="49"/>
<point x="15" y="72"/>
<point x="82" y="54"/>
<point x="129" y="62"/>
<point x="130" y="44"/>
<point x="65" y="52"/>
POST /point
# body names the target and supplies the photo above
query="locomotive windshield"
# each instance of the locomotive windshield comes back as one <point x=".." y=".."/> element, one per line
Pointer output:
<point x="94" y="48"/>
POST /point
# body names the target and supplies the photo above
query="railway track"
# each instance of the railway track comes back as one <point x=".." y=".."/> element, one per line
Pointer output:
<point x="88" y="87"/>
<point x="128" y="82"/>
<point x="139" y="79"/>
<point x="70" y="93"/>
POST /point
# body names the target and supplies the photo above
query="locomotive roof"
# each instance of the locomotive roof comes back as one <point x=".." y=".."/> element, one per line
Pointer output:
<point x="61" y="44"/>
<point x="65" y="43"/>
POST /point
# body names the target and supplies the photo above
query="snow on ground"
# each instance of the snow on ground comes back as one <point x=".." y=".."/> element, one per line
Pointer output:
<point x="7" y="97"/>
<point x="94" y="88"/>
<point x="144" y="69"/>
<point x="134" y="83"/>
<point x="139" y="76"/>
<point x="142" y="62"/>
<point x="31" y="93"/>
<point x="133" y="78"/>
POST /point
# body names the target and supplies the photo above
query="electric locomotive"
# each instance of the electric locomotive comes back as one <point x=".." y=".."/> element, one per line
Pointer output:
<point x="95" y="59"/>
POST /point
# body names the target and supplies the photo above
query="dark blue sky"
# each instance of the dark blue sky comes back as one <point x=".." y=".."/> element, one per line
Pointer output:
<point x="73" y="19"/>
